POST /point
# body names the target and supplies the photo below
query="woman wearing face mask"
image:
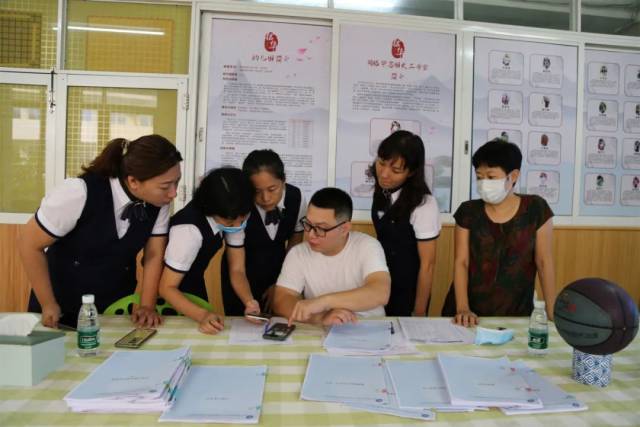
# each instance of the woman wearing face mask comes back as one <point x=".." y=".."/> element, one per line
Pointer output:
<point x="272" y="229"/>
<point x="501" y="242"/>
<point x="219" y="208"/>
<point x="407" y="222"/>
<point x="93" y="227"/>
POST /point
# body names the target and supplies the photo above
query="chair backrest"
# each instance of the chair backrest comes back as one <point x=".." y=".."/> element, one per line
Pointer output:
<point x="125" y="305"/>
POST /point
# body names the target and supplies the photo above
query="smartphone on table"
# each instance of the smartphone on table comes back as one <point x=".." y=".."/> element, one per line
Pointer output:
<point x="135" y="338"/>
<point x="278" y="332"/>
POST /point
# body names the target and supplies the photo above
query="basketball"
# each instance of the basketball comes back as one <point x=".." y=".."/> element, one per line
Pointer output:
<point x="596" y="316"/>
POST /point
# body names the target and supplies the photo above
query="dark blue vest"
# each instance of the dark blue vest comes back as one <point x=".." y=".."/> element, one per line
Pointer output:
<point x="263" y="256"/>
<point x="91" y="259"/>
<point x="398" y="239"/>
<point x="193" y="280"/>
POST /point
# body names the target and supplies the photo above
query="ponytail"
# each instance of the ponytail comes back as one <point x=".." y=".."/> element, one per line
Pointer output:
<point x="142" y="158"/>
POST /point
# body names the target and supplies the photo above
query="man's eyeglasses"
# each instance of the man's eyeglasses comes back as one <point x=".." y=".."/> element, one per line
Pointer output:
<point x="320" y="231"/>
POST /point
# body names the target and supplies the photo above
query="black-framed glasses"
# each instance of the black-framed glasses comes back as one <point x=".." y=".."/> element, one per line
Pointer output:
<point x="320" y="231"/>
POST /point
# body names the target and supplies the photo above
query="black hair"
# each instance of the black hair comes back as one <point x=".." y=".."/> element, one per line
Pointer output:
<point x="336" y="199"/>
<point x="498" y="154"/>
<point x="410" y="148"/>
<point x="226" y="192"/>
<point x="143" y="158"/>
<point x="264" y="160"/>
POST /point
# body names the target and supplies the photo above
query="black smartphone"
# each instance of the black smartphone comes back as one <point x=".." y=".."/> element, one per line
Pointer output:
<point x="263" y="317"/>
<point x="278" y="332"/>
<point x="135" y="338"/>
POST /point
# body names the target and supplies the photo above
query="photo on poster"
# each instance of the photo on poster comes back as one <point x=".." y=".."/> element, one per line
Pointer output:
<point x="630" y="190"/>
<point x="602" y="115"/>
<point x="381" y="128"/>
<point x="632" y="117"/>
<point x="362" y="180"/>
<point x="632" y="80"/>
<point x="603" y="78"/>
<point x="507" y="135"/>
<point x="545" y="110"/>
<point x="505" y="107"/>
<point x="601" y="152"/>
<point x="599" y="189"/>
<point x="544" y="183"/>
<point x="546" y="71"/>
<point x="631" y="153"/>
<point x="544" y="148"/>
<point x="506" y="68"/>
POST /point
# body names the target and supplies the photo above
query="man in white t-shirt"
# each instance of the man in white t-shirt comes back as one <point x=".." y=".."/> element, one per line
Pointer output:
<point x="339" y="272"/>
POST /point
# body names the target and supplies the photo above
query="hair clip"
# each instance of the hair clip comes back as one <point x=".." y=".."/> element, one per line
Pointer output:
<point x="125" y="147"/>
<point x="226" y="186"/>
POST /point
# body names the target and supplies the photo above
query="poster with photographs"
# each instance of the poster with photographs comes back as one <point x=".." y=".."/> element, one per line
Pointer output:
<point x="611" y="159"/>
<point x="392" y="79"/>
<point x="526" y="93"/>
<point x="269" y="88"/>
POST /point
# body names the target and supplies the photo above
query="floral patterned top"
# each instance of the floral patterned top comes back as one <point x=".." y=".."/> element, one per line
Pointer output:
<point x="502" y="268"/>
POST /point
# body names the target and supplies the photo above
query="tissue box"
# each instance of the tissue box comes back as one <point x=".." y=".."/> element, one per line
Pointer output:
<point x="28" y="360"/>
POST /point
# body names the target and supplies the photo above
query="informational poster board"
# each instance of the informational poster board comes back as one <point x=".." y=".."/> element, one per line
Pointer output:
<point x="610" y="184"/>
<point x="269" y="88"/>
<point x="526" y="93"/>
<point x="392" y="79"/>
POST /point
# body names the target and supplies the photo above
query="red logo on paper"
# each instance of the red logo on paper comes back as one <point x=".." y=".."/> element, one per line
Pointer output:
<point x="270" y="41"/>
<point x="397" y="48"/>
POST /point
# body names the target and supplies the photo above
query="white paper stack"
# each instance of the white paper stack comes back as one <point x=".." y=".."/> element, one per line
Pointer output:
<point x="435" y="331"/>
<point x="360" y="382"/>
<point x="368" y="338"/>
<point x="132" y="381"/>
<point x="219" y="394"/>
<point x="477" y="381"/>
<point x="244" y="332"/>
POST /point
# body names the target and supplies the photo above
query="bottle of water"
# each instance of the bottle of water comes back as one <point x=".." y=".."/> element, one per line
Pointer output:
<point x="538" y="330"/>
<point x="88" y="327"/>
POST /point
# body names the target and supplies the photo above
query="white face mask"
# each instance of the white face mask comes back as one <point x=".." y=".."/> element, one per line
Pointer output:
<point x="493" y="191"/>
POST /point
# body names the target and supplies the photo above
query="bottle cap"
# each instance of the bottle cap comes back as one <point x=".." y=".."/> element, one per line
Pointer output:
<point x="88" y="299"/>
<point x="539" y="303"/>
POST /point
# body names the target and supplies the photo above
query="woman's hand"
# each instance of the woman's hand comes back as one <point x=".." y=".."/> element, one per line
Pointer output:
<point x="211" y="324"/>
<point x="466" y="318"/>
<point x="144" y="316"/>
<point x="50" y="315"/>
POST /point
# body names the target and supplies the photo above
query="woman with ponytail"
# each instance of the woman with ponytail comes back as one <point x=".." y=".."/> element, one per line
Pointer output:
<point x="86" y="234"/>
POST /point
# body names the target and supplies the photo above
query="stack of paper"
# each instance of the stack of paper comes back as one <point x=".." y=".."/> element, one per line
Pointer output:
<point x="220" y="394"/>
<point x="244" y="332"/>
<point x="368" y="337"/>
<point x="419" y="384"/>
<point x="435" y="331"/>
<point x="553" y="398"/>
<point x="476" y="381"/>
<point x="360" y="382"/>
<point x="132" y="381"/>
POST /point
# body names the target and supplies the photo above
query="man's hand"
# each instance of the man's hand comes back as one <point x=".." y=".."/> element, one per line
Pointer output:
<point x="466" y="318"/>
<point x="211" y="324"/>
<point x="304" y="309"/>
<point x="144" y="316"/>
<point x="339" y="316"/>
<point x="50" y="315"/>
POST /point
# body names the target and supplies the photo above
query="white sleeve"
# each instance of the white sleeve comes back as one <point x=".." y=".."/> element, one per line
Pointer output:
<point x="161" y="227"/>
<point x="60" y="210"/>
<point x="184" y="244"/>
<point x="301" y="213"/>
<point x="234" y="240"/>
<point x="371" y="257"/>
<point x="426" y="219"/>
<point x="291" y="275"/>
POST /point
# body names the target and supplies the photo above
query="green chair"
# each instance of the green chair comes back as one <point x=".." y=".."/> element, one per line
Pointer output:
<point x="124" y="305"/>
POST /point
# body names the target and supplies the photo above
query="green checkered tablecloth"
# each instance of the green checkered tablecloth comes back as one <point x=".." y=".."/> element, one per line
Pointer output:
<point x="42" y="405"/>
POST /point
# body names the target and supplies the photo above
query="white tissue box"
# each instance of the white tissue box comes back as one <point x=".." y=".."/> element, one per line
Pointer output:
<point x="28" y="360"/>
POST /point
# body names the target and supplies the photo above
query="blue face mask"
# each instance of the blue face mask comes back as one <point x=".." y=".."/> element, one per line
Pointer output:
<point x="237" y="229"/>
<point x="493" y="336"/>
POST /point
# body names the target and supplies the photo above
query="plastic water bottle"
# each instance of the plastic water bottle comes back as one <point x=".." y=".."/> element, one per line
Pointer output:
<point x="88" y="327"/>
<point x="538" y="330"/>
